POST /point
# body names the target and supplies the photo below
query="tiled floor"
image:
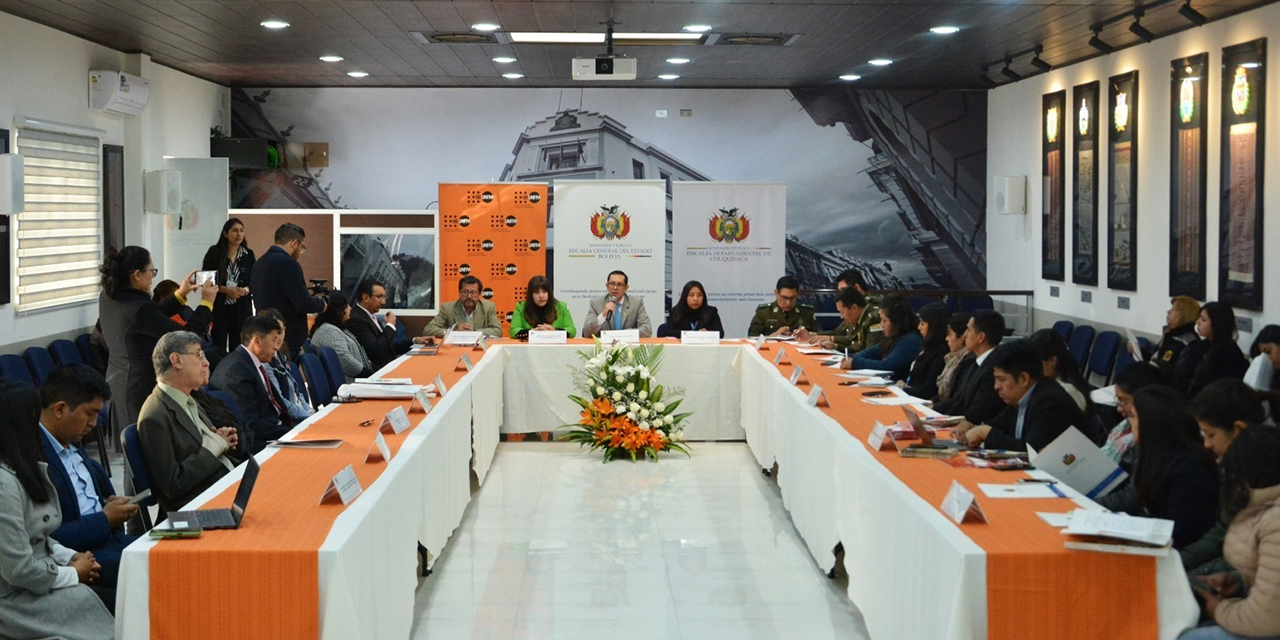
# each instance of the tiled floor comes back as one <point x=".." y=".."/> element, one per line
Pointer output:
<point x="558" y="545"/>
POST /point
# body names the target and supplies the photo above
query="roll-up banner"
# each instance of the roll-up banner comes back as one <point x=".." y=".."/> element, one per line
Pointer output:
<point x="731" y="237"/>
<point x="603" y="225"/>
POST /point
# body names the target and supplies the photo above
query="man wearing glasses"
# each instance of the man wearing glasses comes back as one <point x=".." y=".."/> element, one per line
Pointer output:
<point x="468" y="313"/>
<point x="278" y="283"/>
<point x="616" y="310"/>
<point x="784" y="316"/>
<point x="376" y="335"/>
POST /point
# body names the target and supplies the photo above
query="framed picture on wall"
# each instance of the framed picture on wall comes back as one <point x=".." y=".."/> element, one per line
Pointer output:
<point x="1240" y="212"/>
<point x="403" y="260"/>
<point x="1188" y="175"/>
<point x="1084" y="184"/>
<point x="1122" y="181"/>
<point x="1053" y="176"/>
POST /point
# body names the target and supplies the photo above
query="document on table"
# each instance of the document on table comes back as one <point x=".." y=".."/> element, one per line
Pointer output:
<point x="815" y="352"/>
<point x="1089" y="522"/>
<point x="325" y="443"/>
<point x="1055" y="520"/>
<point x="384" y="381"/>
<point x="379" y="391"/>
<point x="872" y="373"/>
<point x="1021" y="490"/>
<point x="896" y="400"/>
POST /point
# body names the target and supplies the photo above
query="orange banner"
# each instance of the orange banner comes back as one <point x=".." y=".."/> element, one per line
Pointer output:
<point x="497" y="233"/>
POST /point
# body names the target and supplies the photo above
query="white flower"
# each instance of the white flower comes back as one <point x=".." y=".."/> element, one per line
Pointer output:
<point x="620" y="379"/>
<point x="669" y="420"/>
<point x="644" y="413"/>
<point x="644" y="373"/>
<point x="644" y="425"/>
<point x="631" y="415"/>
<point x="644" y="395"/>
<point x="659" y="406"/>
<point x="631" y="388"/>
<point x="635" y="407"/>
<point x="599" y="391"/>
<point x="617" y="396"/>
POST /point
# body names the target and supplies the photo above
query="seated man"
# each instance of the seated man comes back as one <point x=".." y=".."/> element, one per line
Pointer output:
<point x="183" y="452"/>
<point x="93" y="516"/>
<point x="376" y="335"/>
<point x="1036" y="414"/>
<point x="784" y="316"/>
<point x="468" y="313"/>
<point x="616" y="310"/>
<point x="287" y="388"/>
<point x="853" y="334"/>
<point x="975" y="396"/>
<point x="244" y="374"/>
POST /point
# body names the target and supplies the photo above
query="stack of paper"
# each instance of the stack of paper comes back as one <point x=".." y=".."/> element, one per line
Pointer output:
<point x="878" y="373"/>
<point x="384" y="380"/>
<point x="377" y="391"/>
<point x="1118" y="533"/>
<point x="813" y="351"/>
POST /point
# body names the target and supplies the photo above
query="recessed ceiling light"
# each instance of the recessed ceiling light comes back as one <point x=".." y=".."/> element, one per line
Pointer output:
<point x="504" y="60"/>
<point x="486" y="26"/>
<point x="881" y="62"/>
<point x="945" y="30"/>
<point x="274" y="24"/>
<point x="358" y="74"/>
<point x="697" y="28"/>
<point x="1251" y="65"/>
<point x="668" y="76"/>
<point x="513" y="76"/>
<point x="331" y="58"/>
<point x="850" y="77"/>
<point x="656" y="36"/>
<point x="678" y="60"/>
<point x="556" y="37"/>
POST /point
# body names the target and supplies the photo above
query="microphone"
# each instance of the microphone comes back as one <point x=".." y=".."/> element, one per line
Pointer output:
<point x="609" y="315"/>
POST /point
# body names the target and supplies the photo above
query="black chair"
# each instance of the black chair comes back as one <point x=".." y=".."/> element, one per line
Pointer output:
<point x="1064" y="329"/>
<point x="1103" y="356"/>
<point x="14" y="367"/>
<point x="332" y="367"/>
<point x="1081" y="340"/>
<point x="317" y="379"/>
<point x="65" y="352"/>
<point x="39" y="361"/>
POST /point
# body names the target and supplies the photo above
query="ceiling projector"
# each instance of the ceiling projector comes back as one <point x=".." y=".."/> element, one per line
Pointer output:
<point x="604" y="67"/>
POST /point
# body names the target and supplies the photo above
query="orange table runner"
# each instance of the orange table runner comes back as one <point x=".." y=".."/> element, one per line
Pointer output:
<point x="262" y="580"/>
<point x="1035" y="586"/>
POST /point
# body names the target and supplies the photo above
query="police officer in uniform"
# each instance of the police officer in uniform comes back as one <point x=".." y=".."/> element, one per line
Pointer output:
<point x="859" y="327"/>
<point x="784" y="316"/>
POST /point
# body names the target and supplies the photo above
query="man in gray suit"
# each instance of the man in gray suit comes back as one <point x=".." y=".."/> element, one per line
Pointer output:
<point x="185" y="454"/>
<point x="470" y="312"/>
<point x="617" y="310"/>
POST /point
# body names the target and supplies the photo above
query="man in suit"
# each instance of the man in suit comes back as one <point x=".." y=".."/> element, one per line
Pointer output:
<point x="468" y="313"/>
<point x="184" y="453"/>
<point x="244" y="374"/>
<point x="975" y="396"/>
<point x="616" y="310"/>
<point x="1037" y="409"/>
<point x="278" y="283"/>
<point x="376" y="335"/>
<point x="93" y="516"/>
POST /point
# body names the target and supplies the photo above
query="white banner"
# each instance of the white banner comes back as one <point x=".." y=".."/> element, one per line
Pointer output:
<point x="603" y="225"/>
<point x="731" y="237"/>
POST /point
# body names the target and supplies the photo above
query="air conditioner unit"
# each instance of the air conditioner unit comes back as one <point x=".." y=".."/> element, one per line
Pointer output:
<point x="118" y="92"/>
<point x="163" y="192"/>
<point x="604" y="68"/>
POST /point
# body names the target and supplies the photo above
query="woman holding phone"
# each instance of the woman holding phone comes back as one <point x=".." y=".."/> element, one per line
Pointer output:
<point x="232" y="258"/>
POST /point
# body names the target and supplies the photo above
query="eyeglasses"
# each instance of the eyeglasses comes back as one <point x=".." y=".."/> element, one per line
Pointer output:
<point x="469" y="293"/>
<point x="615" y="284"/>
<point x="197" y="353"/>
<point x="304" y="248"/>
<point x="153" y="271"/>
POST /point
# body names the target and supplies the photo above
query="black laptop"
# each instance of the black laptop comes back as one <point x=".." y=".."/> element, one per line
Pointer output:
<point x="221" y="518"/>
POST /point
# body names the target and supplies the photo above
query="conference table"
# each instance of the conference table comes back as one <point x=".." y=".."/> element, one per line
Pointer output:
<point x="300" y="569"/>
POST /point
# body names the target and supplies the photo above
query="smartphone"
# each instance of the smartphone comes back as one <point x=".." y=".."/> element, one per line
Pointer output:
<point x="140" y="497"/>
<point x="201" y="277"/>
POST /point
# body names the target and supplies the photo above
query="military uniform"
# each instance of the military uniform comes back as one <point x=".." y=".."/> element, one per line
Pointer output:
<point x="769" y="318"/>
<point x="865" y="333"/>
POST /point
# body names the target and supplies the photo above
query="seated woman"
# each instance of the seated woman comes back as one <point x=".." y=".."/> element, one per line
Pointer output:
<point x="1179" y="331"/>
<point x="923" y="379"/>
<point x="1119" y="444"/>
<point x="1175" y="477"/>
<point x="540" y="311"/>
<point x="329" y="331"/>
<point x="958" y="359"/>
<point x="1061" y="366"/>
<point x="1247" y="607"/>
<point x="1214" y="357"/>
<point x="43" y="582"/>
<point x="1264" y="359"/>
<point x="900" y="343"/>
<point x="692" y="313"/>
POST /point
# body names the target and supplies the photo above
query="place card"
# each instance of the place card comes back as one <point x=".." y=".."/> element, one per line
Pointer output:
<point x="396" y="421"/>
<point x="481" y="344"/>
<point x="817" y="398"/>
<point x="379" y="450"/>
<point x="440" y="385"/>
<point x="548" y="337"/>
<point x="782" y="357"/>
<point x="463" y="364"/>
<point x="466" y="338"/>
<point x="345" y="487"/>
<point x="700" y="337"/>
<point x="878" y="436"/>
<point x="798" y="378"/>
<point x="960" y="505"/>
<point x="421" y="398"/>
<point x="760" y="344"/>
<point x="630" y="336"/>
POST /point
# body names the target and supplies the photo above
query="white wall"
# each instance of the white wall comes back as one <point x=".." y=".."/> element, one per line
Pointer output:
<point x="45" y="75"/>
<point x="1014" y="124"/>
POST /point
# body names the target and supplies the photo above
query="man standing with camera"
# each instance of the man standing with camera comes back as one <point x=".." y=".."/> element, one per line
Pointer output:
<point x="278" y="283"/>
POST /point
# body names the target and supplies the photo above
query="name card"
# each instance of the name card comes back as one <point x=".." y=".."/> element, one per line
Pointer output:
<point x="548" y="337"/>
<point x="760" y="344"/>
<point x="700" y="337"/>
<point x="630" y="336"/>
<point x="467" y="338"/>
<point x="817" y="398"/>
<point x="481" y="344"/>
<point x="396" y="421"/>
<point x="798" y="378"/>
<point x="877" y="438"/>
<point x="960" y="505"/>
<point x="344" y="487"/>
<point x="781" y="358"/>
<point x="379" y="450"/>
<point x="421" y="399"/>
<point x="440" y="389"/>
<point x="463" y="364"/>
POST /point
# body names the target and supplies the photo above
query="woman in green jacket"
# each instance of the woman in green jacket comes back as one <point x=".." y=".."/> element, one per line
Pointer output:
<point x="540" y="310"/>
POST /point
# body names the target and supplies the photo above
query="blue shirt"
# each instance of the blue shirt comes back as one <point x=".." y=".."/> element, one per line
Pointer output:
<point x="1022" y="410"/>
<point x="81" y="479"/>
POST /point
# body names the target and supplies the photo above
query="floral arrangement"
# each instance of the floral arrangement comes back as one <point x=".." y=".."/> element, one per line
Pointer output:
<point x="625" y="411"/>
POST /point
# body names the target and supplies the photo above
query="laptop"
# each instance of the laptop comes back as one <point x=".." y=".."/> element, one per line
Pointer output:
<point x="926" y="436"/>
<point x="221" y="518"/>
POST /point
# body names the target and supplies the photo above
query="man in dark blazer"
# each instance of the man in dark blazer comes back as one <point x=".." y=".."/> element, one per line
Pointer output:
<point x="183" y="452"/>
<point x="377" y="336"/>
<point x="93" y="516"/>
<point x="974" y="396"/>
<point x="1037" y="409"/>
<point x="278" y="283"/>
<point x="245" y="374"/>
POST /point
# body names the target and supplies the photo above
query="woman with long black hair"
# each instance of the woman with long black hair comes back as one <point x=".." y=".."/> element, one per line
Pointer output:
<point x="900" y="344"/>
<point x="692" y="313"/>
<point x="1061" y="366"/>
<point x="923" y="379"/>
<point x="232" y="258"/>
<point x="1216" y="355"/>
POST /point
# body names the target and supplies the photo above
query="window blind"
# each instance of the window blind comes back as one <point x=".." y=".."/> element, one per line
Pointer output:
<point x="59" y="232"/>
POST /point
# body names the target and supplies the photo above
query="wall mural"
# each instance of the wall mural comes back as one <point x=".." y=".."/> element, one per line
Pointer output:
<point x="1122" y="182"/>
<point x="1243" y="133"/>
<point x="1053" y="167"/>
<point x="1188" y="173"/>
<point x="1084" y="184"/>
<point x="891" y="183"/>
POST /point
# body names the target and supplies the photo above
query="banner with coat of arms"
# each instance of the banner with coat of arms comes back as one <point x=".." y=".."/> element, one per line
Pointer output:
<point x="731" y="237"/>
<point x="603" y="225"/>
